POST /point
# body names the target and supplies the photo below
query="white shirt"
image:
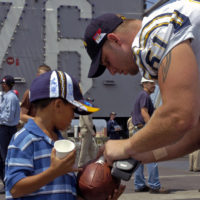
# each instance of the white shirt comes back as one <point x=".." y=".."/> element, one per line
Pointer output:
<point x="162" y="30"/>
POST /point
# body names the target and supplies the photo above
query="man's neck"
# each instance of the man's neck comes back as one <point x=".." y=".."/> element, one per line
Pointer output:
<point x="135" y="27"/>
<point x="130" y="30"/>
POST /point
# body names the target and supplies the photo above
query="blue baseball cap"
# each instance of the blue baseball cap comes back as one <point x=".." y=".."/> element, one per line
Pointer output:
<point x="58" y="84"/>
<point x="8" y="80"/>
<point x="94" y="38"/>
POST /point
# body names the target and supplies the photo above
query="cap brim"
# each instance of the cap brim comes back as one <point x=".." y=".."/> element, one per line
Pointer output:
<point x="96" y="69"/>
<point x="150" y="81"/>
<point x="82" y="108"/>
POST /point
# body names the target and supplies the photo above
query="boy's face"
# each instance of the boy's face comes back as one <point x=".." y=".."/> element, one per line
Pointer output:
<point x="65" y="115"/>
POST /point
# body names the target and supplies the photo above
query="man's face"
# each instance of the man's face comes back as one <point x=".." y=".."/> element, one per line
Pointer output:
<point x="3" y="86"/>
<point x="118" y="59"/>
<point x="112" y="117"/>
<point x="150" y="87"/>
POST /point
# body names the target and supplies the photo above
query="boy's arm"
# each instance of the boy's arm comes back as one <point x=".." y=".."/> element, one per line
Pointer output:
<point x="57" y="168"/>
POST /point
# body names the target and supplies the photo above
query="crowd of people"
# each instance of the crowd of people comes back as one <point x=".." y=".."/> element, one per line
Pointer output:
<point x="32" y="170"/>
<point x="42" y="114"/>
<point x="13" y="114"/>
<point x="164" y="47"/>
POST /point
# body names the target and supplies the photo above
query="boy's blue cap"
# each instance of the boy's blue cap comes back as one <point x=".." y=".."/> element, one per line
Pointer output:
<point x="58" y="84"/>
<point x="95" y="36"/>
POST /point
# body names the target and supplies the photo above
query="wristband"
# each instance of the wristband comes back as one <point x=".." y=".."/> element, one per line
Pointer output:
<point x="160" y="153"/>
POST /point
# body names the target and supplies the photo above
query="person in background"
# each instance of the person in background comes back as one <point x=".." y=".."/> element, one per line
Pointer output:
<point x="27" y="109"/>
<point x="130" y="126"/>
<point x="9" y="119"/>
<point x="16" y="92"/>
<point x="143" y="110"/>
<point x="194" y="161"/>
<point x="87" y="133"/>
<point x="113" y="128"/>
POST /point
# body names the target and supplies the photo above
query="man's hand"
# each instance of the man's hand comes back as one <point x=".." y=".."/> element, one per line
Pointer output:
<point x="115" y="150"/>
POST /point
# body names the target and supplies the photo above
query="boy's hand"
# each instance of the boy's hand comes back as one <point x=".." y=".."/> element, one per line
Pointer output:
<point x="65" y="165"/>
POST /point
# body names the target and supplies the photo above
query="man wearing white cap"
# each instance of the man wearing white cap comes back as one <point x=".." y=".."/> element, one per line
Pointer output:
<point x="142" y="111"/>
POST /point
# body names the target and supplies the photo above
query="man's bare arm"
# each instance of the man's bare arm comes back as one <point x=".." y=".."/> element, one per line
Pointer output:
<point x="189" y="143"/>
<point x="179" y="85"/>
<point x="175" y="117"/>
<point x="145" y="114"/>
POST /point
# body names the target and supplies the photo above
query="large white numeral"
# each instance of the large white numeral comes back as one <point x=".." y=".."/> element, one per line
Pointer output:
<point x="53" y="47"/>
<point x="10" y="25"/>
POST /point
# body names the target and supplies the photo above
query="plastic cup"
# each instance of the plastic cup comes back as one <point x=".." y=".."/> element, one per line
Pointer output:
<point x="63" y="147"/>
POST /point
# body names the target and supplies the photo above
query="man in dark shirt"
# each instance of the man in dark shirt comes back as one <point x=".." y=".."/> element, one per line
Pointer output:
<point x="142" y="111"/>
<point x="143" y="107"/>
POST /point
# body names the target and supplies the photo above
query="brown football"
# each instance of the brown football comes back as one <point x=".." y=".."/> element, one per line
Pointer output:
<point x="95" y="181"/>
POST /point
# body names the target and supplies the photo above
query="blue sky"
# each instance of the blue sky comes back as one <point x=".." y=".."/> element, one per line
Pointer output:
<point x="151" y="2"/>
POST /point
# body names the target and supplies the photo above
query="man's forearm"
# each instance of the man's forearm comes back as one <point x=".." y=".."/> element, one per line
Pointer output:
<point x="189" y="143"/>
<point x="158" y="132"/>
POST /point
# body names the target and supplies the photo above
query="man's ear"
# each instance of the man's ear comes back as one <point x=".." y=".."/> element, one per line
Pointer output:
<point x="112" y="37"/>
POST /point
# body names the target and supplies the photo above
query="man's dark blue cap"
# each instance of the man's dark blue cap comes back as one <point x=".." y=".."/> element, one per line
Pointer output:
<point x="95" y="36"/>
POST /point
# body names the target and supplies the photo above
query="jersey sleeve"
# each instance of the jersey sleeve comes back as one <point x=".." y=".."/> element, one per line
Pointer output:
<point x="157" y="37"/>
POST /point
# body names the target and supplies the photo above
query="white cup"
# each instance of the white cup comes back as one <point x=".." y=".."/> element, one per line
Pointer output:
<point x="63" y="147"/>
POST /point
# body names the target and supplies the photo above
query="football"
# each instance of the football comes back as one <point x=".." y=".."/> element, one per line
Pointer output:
<point x="95" y="181"/>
